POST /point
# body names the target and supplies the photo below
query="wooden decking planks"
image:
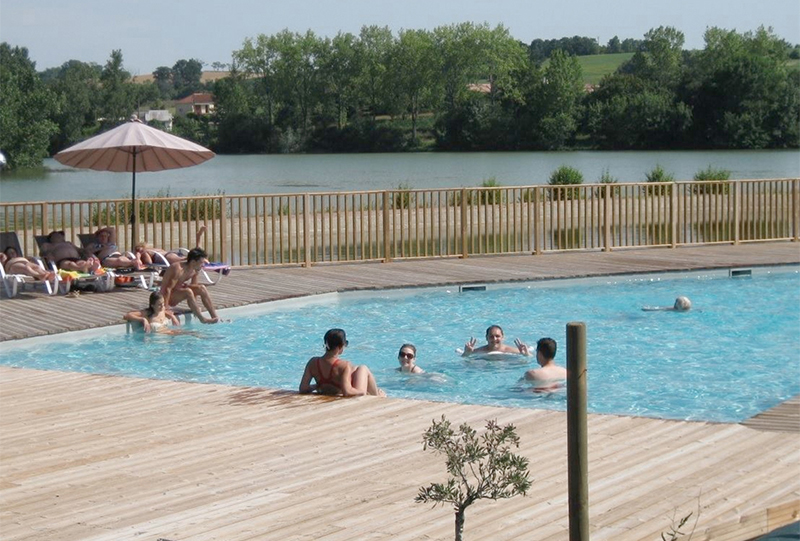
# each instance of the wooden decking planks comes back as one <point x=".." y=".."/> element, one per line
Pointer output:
<point x="785" y="417"/>
<point x="98" y="457"/>
<point x="103" y="458"/>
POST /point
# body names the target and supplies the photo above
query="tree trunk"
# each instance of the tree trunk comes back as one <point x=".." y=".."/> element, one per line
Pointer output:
<point x="459" y="524"/>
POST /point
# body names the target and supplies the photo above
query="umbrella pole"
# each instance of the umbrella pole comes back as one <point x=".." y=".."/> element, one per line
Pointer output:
<point x="134" y="227"/>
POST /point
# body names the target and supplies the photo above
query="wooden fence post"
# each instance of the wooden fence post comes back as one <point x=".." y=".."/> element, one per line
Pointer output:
<point x="223" y="228"/>
<point x="387" y="254"/>
<point x="607" y="217"/>
<point x="673" y="214"/>
<point x="464" y="239"/>
<point x="306" y="230"/>
<point x="537" y="217"/>
<point x="796" y="204"/>
<point x="577" y="440"/>
<point x="736" y="213"/>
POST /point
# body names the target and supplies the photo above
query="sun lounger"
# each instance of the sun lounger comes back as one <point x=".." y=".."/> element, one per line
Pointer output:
<point x="125" y="276"/>
<point x="77" y="280"/>
<point x="13" y="283"/>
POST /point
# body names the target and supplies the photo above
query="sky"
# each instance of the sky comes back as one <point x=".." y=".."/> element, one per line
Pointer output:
<point x="153" y="33"/>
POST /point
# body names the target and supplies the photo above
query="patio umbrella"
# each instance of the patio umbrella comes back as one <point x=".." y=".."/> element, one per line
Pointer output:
<point x="134" y="147"/>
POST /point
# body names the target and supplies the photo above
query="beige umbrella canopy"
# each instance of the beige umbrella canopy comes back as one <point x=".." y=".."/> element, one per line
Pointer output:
<point x="134" y="147"/>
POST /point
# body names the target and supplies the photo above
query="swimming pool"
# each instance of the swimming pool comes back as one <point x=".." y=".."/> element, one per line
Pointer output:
<point x="735" y="354"/>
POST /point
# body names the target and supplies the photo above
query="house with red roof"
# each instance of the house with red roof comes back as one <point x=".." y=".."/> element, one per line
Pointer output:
<point x="199" y="103"/>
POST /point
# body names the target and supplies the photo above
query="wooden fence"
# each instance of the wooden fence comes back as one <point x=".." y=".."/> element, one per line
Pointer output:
<point x="314" y="228"/>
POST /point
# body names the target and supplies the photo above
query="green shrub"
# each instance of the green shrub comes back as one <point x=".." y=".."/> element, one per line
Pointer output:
<point x="659" y="174"/>
<point x="490" y="197"/>
<point x="711" y="174"/>
<point x="403" y="197"/>
<point x="606" y="178"/>
<point x="566" y="176"/>
<point x="479" y="467"/>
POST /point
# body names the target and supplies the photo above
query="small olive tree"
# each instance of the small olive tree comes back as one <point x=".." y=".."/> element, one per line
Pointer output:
<point x="480" y="467"/>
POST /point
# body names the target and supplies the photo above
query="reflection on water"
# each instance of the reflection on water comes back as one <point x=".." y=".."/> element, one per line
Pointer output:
<point x="340" y="172"/>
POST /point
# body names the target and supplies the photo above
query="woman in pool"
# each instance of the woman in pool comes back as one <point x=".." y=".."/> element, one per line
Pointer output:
<point x="155" y="318"/>
<point x="407" y="357"/>
<point x="494" y="344"/>
<point x="336" y="376"/>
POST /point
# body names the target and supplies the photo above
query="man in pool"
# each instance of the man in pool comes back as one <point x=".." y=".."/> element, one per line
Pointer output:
<point x="682" y="304"/>
<point x="549" y="376"/>
<point x="494" y="344"/>
<point x="180" y="283"/>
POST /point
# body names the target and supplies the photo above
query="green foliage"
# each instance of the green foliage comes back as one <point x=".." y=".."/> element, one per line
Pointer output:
<point x="675" y="531"/>
<point x="712" y="174"/>
<point x="479" y="467"/>
<point x="743" y="92"/>
<point x="490" y="197"/>
<point x="403" y="197"/>
<point x="658" y="174"/>
<point x="566" y="176"/>
<point x="159" y="208"/>
<point x="606" y="178"/>
<point x="26" y="111"/>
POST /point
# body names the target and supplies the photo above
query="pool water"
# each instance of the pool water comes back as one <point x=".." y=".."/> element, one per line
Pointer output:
<point x="736" y="353"/>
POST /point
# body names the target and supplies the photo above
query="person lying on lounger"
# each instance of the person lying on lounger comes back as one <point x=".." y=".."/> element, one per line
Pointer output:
<point x="66" y="255"/>
<point x="13" y="263"/>
<point x="180" y="283"/>
<point x="155" y="318"/>
<point x="335" y="376"/>
<point x="149" y="255"/>
<point x="494" y="344"/>
<point x="105" y="248"/>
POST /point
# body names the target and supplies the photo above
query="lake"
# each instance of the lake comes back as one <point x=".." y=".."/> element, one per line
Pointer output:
<point x="297" y="173"/>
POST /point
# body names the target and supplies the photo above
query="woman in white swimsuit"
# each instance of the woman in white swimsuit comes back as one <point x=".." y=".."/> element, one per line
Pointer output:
<point x="155" y="318"/>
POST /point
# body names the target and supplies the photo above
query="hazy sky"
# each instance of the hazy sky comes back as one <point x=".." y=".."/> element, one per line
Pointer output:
<point x="154" y="33"/>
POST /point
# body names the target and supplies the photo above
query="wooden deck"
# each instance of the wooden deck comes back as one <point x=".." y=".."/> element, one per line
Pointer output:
<point x="107" y="458"/>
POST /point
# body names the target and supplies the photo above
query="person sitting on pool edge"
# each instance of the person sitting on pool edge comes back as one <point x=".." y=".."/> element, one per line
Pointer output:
<point x="180" y="283"/>
<point x="682" y="304"/>
<point x="494" y="344"/>
<point x="336" y="376"/>
<point x="549" y="376"/>
<point x="407" y="358"/>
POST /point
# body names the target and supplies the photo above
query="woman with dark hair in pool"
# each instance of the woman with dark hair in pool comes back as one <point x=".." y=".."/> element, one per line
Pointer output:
<point x="336" y="376"/>
<point x="407" y="357"/>
<point x="155" y="318"/>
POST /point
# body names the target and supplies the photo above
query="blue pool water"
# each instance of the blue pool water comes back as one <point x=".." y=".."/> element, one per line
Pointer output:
<point x="735" y="354"/>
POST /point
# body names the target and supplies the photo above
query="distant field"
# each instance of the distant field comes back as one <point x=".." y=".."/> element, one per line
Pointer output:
<point x="596" y="66"/>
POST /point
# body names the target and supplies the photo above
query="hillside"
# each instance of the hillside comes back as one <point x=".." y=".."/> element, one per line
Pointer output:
<point x="596" y="66"/>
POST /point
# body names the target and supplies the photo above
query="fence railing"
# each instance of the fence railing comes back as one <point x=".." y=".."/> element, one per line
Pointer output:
<point x="314" y="228"/>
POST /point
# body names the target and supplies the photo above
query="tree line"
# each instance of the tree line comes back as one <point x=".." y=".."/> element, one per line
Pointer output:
<point x="459" y="87"/>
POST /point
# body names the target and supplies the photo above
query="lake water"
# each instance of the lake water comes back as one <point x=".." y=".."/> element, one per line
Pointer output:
<point x="255" y="174"/>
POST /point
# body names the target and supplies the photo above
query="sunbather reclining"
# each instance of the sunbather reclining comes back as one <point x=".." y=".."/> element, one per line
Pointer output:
<point x="13" y="263"/>
<point x="149" y="255"/>
<point x="66" y="255"/>
<point x="105" y="248"/>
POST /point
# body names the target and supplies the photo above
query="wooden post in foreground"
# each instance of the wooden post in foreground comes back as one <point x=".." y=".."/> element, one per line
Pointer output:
<point x="577" y="448"/>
